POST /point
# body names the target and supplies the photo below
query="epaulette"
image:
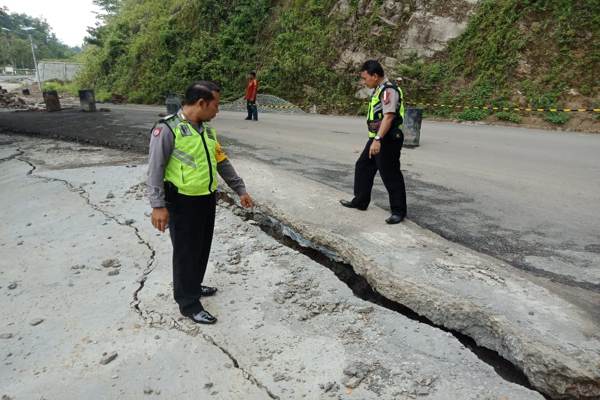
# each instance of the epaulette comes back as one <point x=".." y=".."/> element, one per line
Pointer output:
<point x="171" y="121"/>
<point x="390" y="85"/>
<point x="167" y="118"/>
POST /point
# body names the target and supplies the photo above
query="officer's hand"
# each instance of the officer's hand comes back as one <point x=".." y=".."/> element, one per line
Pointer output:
<point x="160" y="218"/>
<point x="246" y="201"/>
<point x="375" y="148"/>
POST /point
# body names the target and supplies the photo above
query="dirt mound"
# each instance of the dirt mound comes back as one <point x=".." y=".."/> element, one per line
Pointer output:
<point x="14" y="101"/>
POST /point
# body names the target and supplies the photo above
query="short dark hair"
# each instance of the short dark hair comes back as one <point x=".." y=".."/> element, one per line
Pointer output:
<point x="372" y="67"/>
<point x="200" y="90"/>
<point x="252" y="73"/>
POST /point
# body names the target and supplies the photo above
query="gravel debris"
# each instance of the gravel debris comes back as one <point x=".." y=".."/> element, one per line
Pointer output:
<point x="107" y="358"/>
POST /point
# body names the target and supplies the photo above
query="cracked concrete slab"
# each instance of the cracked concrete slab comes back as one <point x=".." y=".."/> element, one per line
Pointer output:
<point x="553" y="341"/>
<point x="53" y="244"/>
<point x="288" y="328"/>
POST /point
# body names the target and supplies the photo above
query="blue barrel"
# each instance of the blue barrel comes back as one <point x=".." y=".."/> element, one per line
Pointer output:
<point x="412" y="126"/>
<point x="87" y="99"/>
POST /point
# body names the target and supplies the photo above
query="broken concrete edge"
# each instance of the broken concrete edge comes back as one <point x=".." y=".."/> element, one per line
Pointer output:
<point x="568" y="381"/>
<point x="458" y="315"/>
<point x="363" y="263"/>
<point x="86" y="196"/>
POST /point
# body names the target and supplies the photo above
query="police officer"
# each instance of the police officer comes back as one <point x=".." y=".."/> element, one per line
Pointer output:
<point x="185" y="157"/>
<point x="382" y="151"/>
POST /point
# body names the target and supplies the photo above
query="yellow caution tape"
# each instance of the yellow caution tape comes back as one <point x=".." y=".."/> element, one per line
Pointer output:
<point x="278" y="106"/>
<point x="493" y="108"/>
<point x="456" y="106"/>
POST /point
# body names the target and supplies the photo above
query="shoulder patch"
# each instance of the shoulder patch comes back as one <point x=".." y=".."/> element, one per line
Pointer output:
<point x="386" y="96"/>
<point x="156" y="131"/>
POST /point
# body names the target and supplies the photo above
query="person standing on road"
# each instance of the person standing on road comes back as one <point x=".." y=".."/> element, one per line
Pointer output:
<point x="251" y="90"/>
<point x="382" y="151"/>
<point x="184" y="160"/>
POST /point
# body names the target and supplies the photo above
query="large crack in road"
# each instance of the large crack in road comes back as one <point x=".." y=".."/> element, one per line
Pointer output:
<point x="361" y="288"/>
<point x="287" y="236"/>
<point x="155" y="315"/>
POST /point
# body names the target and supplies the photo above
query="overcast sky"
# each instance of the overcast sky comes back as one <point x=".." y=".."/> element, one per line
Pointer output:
<point x="68" y="18"/>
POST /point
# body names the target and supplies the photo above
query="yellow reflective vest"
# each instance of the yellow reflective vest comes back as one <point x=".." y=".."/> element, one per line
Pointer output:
<point x="192" y="167"/>
<point x="375" y="113"/>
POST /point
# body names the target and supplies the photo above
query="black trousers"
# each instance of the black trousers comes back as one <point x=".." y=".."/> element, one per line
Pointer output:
<point x="387" y="162"/>
<point x="252" y="110"/>
<point x="191" y="226"/>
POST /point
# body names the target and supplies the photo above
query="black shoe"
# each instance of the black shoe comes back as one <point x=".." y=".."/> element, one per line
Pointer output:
<point x="208" y="291"/>
<point x="394" y="219"/>
<point x="350" y="204"/>
<point x="203" y="317"/>
<point x="247" y="119"/>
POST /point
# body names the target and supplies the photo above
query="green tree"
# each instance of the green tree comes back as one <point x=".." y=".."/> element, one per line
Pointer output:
<point x="16" y="50"/>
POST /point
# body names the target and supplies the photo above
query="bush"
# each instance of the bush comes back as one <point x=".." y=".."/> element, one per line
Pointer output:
<point x="102" y="95"/>
<point x="67" y="87"/>
<point x="472" y="115"/>
<point x="557" y="118"/>
<point x="47" y="86"/>
<point x="509" y="116"/>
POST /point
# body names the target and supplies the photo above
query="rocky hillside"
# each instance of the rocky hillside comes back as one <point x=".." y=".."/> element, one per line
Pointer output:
<point x="501" y="52"/>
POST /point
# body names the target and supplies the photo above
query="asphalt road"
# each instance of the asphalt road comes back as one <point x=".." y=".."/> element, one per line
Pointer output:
<point x="529" y="197"/>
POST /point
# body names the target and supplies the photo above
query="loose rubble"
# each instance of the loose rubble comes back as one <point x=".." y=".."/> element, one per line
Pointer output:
<point x="107" y="358"/>
<point x="36" y="322"/>
<point x="12" y="100"/>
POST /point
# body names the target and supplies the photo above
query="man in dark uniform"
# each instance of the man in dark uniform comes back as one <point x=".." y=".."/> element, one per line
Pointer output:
<point x="382" y="151"/>
<point x="185" y="158"/>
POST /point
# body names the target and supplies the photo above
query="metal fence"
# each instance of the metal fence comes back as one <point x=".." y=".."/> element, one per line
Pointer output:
<point x="61" y="71"/>
<point x="8" y="70"/>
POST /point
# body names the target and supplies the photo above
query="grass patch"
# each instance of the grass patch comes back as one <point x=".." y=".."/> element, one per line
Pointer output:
<point x="472" y="115"/>
<point x="557" y="118"/>
<point x="102" y="95"/>
<point x="509" y="116"/>
<point x="442" y="112"/>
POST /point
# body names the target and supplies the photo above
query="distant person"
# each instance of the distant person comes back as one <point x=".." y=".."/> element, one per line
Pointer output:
<point x="185" y="157"/>
<point x="382" y="151"/>
<point x="251" y="90"/>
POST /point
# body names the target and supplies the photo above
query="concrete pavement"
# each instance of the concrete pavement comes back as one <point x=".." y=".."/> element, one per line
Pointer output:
<point x="553" y="341"/>
<point x="85" y="289"/>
